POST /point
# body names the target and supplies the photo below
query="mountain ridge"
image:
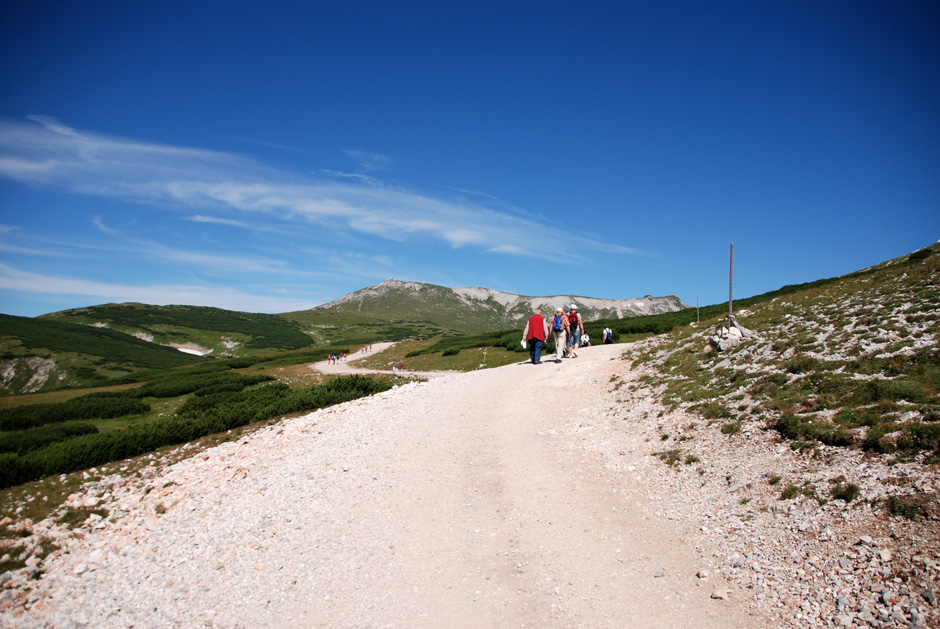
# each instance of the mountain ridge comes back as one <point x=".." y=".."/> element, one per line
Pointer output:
<point x="495" y="309"/>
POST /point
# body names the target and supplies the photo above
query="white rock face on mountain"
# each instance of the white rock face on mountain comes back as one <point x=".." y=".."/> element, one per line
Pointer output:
<point x="619" y="307"/>
<point x="507" y="306"/>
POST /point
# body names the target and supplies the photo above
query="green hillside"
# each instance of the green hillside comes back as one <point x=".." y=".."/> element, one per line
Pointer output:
<point x="40" y="354"/>
<point x="222" y="332"/>
<point x="328" y="327"/>
<point x="427" y="301"/>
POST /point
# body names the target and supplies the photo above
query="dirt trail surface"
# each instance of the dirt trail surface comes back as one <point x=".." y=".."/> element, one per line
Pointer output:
<point x="349" y="366"/>
<point x="470" y="500"/>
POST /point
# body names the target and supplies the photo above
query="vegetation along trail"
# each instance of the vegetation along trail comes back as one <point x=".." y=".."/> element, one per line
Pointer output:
<point x="469" y="500"/>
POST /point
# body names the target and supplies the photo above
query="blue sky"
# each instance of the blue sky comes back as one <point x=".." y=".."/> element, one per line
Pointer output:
<point x="272" y="156"/>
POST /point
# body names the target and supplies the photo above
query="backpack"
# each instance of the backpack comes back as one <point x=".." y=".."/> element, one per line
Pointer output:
<point x="573" y="321"/>
<point x="558" y="325"/>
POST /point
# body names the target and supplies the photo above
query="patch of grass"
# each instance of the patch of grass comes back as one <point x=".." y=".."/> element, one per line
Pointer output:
<point x="774" y="479"/>
<point x="14" y="562"/>
<point x="75" y="516"/>
<point x="669" y="457"/>
<point x="809" y="429"/>
<point x="845" y="491"/>
<point x="712" y="410"/>
<point x="791" y="492"/>
<point x="731" y="428"/>
<point x="906" y="507"/>
<point x="800" y="446"/>
<point x="803" y="364"/>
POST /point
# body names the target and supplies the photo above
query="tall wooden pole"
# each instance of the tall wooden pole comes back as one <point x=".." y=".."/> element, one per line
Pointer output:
<point x="731" y="286"/>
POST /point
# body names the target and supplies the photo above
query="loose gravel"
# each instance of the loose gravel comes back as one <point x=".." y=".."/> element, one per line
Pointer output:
<point x="528" y="495"/>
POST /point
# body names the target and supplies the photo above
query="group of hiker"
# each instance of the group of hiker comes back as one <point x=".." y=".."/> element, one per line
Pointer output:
<point x="566" y="328"/>
<point x="334" y="358"/>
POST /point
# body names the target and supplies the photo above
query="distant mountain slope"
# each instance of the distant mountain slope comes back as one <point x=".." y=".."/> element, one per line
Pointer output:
<point x="473" y="310"/>
<point x="194" y="329"/>
<point x="42" y="354"/>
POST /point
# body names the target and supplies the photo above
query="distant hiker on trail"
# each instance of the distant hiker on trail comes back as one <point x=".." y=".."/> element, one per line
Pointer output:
<point x="535" y="333"/>
<point x="608" y="336"/>
<point x="575" y="329"/>
<point x="560" y="332"/>
<point x="585" y="340"/>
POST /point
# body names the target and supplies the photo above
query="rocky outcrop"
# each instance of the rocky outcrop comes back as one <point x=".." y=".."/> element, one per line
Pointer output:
<point x="27" y="375"/>
<point x="731" y="335"/>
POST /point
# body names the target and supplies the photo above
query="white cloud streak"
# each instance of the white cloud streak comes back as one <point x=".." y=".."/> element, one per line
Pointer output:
<point x="13" y="279"/>
<point x="47" y="152"/>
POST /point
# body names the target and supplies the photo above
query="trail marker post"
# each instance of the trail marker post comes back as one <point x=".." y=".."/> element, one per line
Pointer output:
<point x="731" y="289"/>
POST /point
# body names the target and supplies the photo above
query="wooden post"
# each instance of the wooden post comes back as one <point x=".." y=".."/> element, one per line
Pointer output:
<point x="731" y="286"/>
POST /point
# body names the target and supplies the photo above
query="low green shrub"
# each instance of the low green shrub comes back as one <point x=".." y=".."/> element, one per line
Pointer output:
<point x="712" y="410"/>
<point x="188" y="383"/>
<point x="805" y="429"/>
<point x="803" y="364"/>
<point x="905" y="508"/>
<point x="920" y="437"/>
<point x="879" y="439"/>
<point x="23" y="441"/>
<point x="845" y="491"/>
<point x="90" y="406"/>
<point x="198" y="417"/>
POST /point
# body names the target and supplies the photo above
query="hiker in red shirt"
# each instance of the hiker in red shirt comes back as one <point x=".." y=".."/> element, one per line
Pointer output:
<point x="535" y="333"/>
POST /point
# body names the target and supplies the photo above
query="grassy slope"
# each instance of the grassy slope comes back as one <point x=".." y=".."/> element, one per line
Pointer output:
<point x="329" y="327"/>
<point x="440" y="307"/>
<point x="850" y="362"/>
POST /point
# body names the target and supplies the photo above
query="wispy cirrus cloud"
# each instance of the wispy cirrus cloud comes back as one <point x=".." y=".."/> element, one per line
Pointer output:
<point x="156" y="251"/>
<point x="226" y="187"/>
<point x="13" y="279"/>
<point x="369" y="161"/>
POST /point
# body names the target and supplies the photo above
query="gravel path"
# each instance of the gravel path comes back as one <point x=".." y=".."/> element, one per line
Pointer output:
<point x="470" y="500"/>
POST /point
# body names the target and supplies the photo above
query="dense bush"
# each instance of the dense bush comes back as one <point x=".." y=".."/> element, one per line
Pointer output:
<point x="277" y="399"/>
<point x="23" y="441"/>
<point x="190" y="383"/>
<point x="90" y="406"/>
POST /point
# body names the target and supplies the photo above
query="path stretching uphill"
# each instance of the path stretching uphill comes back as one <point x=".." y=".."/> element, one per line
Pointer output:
<point x="349" y="367"/>
<point x="469" y="500"/>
